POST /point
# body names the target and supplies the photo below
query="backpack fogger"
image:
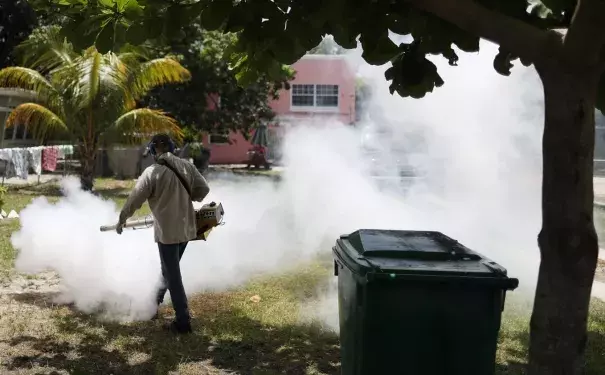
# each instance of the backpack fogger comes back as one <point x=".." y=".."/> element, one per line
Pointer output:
<point x="206" y="218"/>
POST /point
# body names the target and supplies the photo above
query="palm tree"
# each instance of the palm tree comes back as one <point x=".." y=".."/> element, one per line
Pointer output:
<point x="89" y="96"/>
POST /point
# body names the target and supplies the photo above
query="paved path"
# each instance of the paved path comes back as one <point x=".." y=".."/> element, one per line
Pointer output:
<point x="31" y="180"/>
<point x="598" y="290"/>
<point x="599" y="190"/>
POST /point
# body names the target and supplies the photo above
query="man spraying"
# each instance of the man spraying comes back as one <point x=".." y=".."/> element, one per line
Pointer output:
<point x="170" y="185"/>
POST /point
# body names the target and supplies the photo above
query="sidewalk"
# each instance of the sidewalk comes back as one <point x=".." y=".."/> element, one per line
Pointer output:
<point x="598" y="290"/>
<point x="599" y="191"/>
<point x="31" y="180"/>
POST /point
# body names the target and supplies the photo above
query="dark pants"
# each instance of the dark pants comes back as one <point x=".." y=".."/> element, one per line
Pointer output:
<point x="170" y="256"/>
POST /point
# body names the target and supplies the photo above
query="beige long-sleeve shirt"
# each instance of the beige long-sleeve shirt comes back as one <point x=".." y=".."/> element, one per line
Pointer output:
<point x="171" y="206"/>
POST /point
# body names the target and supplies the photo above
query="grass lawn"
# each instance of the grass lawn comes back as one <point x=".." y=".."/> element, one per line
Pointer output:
<point x="233" y="333"/>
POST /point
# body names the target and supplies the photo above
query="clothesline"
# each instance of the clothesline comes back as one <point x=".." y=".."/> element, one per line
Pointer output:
<point x="19" y="161"/>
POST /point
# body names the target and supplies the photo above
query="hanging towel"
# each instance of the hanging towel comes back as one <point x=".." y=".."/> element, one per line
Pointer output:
<point x="6" y="155"/>
<point x="49" y="159"/>
<point x="20" y="162"/>
<point x="34" y="158"/>
<point x="65" y="150"/>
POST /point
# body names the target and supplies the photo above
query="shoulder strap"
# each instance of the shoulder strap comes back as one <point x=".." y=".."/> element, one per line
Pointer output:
<point x="180" y="177"/>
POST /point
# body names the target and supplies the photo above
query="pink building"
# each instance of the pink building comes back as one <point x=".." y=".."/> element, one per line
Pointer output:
<point x="324" y="87"/>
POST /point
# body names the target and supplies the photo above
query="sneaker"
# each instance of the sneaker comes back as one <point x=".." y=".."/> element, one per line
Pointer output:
<point x="178" y="328"/>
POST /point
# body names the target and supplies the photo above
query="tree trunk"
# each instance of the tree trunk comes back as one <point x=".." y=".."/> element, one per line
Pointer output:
<point x="87" y="168"/>
<point x="568" y="240"/>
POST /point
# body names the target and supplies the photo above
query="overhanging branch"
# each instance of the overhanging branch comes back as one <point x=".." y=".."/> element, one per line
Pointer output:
<point x="518" y="37"/>
<point x="585" y="39"/>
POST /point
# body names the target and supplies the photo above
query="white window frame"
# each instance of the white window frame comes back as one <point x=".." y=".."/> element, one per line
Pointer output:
<point x="314" y="107"/>
<point x="228" y="135"/>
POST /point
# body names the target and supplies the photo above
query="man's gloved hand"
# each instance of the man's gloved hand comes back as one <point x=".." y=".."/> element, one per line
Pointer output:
<point x="120" y="227"/>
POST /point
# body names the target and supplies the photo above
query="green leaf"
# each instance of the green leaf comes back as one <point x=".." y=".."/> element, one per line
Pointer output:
<point x="82" y="32"/>
<point x="525" y="62"/>
<point x="106" y="38"/>
<point x="136" y="34"/>
<point x="239" y="18"/>
<point x="153" y="27"/>
<point x="451" y="56"/>
<point x="275" y="70"/>
<point x="304" y="32"/>
<point x="119" y="35"/>
<point x="181" y="15"/>
<point x="216" y="14"/>
<point x="344" y="37"/>
<point x="107" y="3"/>
<point x="132" y="10"/>
<point x="287" y="51"/>
<point x="467" y="43"/>
<point x="238" y="61"/>
<point x="267" y="9"/>
<point x="76" y="2"/>
<point x="378" y="51"/>
<point x="246" y="76"/>
<point x="122" y="4"/>
<point x="397" y="24"/>
<point x="502" y="63"/>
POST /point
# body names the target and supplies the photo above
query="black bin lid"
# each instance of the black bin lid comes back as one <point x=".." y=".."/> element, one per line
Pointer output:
<point x="421" y="245"/>
<point x="412" y="252"/>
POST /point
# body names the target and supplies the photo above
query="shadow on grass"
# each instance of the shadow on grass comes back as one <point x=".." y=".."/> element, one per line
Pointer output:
<point x="113" y="192"/>
<point x="49" y="189"/>
<point x="53" y="190"/>
<point x="225" y="340"/>
<point x="595" y="349"/>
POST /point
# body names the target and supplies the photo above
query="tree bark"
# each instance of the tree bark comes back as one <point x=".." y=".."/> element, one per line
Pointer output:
<point x="568" y="240"/>
<point x="87" y="168"/>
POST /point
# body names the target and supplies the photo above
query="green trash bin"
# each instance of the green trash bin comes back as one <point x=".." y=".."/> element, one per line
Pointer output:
<point x="417" y="303"/>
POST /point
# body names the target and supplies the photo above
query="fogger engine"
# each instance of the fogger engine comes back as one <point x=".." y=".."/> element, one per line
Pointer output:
<point x="207" y="218"/>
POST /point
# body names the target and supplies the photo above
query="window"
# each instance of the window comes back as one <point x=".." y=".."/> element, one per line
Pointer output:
<point x="303" y="95"/>
<point x="326" y="96"/>
<point x="321" y="96"/>
<point x="217" y="138"/>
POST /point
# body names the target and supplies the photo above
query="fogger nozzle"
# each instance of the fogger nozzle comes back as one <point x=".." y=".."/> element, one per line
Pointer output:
<point x="135" y="224"/>
<point x="206" y="218"/>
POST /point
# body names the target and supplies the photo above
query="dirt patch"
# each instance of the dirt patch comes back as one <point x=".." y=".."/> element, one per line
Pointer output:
<point x="233" y="334"/>
<point x="43" y="283"/>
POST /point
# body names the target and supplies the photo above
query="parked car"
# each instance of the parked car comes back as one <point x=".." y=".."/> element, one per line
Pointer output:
<point x="257" y="157"/>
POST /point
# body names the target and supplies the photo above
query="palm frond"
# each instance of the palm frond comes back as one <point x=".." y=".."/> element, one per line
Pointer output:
<point x="98" y="80"/>
<point x="121" y="72"/>
<point x="17" y="77"/>
<point x="45" y="49"/>
<point x="133" y="55"/>
<point x="158" y="72"/>
<point x="142" y="123"/>
<point x="38" y="119"/>
<point x="88" y="78"/>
